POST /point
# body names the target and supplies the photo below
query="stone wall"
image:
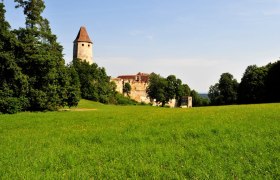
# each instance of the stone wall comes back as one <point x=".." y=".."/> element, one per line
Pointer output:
<point x="138" y="90"/>
<point x="119" y="84"/>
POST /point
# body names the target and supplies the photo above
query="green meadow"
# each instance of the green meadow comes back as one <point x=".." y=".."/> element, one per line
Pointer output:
<point x="96" y="141"/>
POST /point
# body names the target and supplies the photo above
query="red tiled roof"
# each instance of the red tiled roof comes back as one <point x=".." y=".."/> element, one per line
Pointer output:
<point x="127" y="76"/>
<point x="143" y="74"/>
<point x="83" y="36"/>
<point x="144" y="77"/>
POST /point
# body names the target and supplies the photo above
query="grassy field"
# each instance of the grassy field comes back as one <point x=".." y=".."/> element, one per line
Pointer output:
<point x="120" y="142"/>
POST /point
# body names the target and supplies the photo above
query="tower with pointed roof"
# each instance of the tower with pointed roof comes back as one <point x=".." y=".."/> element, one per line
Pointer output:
<point x="83" y="46"/>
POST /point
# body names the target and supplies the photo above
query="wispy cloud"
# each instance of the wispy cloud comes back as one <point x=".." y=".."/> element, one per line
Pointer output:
<point x="136" y="33"/>
<point x="271" y="12"/>
<point x="142" y="34"/>
<point x="255" y="8"/>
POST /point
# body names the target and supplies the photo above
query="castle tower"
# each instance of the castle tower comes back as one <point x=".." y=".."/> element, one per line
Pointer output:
<point x="83" y="46"/>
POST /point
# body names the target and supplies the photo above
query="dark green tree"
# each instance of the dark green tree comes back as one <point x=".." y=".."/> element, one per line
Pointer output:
<point x="179" y="89"/>
<point x="88" y="79"/>
<point x="94" y="82"/>
<point x="73" y="95"/>
<point x="164" y="89"/>
<point x="186" y="90"/>
<point x="273" y="82"/>
<point x="228" y="87"/>
<point x="196" y="98"/>
<point x="41" y="59"/>
<point x="252" y="88"/>
<point x="183" y="90"/>
<point x="106" y="89"/>
<point x="224" y="92"/>
<point x="214" y="95"/>
<point x="175" y="89"/>
<point x="126" y="88"/>
<point x="13" y="84"/>
<point x="156" y="88"/>
<point x="172" y="88"/>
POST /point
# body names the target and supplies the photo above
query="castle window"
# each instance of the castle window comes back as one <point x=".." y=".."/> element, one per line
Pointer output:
<point x="82" y="44"/>
<point x="88" y="45"/>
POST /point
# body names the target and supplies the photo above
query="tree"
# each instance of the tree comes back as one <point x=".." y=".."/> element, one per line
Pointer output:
<point x="186" y="90"/>
<point x="228" y="87"/>
<point x="107" y="89"/>
<point x="165" y="89"/>
<point x="94" y="82"/>
<point x="175" y="89"/>
<point x="156" y="88"/>
<point x="73" y="88"/>
<point x="198" y="100"/>
<point x="13" y="84"/>
<point x="181" y="90"/>
<point x="195" y="98"/>
<point x="87" y="77"/>
<point x="214" y="95"/>
<point x="273" y="82"/>
<point x="172" y="87"/>
<point x="41" y="59"/>
<point x="126" y="88"/>
<point x="252" y="88"/>
<point x="162" y="90"/>
<point x="224" y="92"/>
<point x="33" y="10"/>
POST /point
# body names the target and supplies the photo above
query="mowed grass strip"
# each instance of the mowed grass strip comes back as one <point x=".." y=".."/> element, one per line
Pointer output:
<point x="123" y="142"/>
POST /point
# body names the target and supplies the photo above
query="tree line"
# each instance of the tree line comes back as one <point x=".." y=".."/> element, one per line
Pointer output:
<point x="258" y="85"/>
<point x="162" y="90"/>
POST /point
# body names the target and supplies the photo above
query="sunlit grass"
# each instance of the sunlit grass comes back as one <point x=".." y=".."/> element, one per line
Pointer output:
<point x="142" y="142"/>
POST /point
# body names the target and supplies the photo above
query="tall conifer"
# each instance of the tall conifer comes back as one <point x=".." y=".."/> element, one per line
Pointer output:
<point x="13" y="84"/>
<point x="42" y="59"/>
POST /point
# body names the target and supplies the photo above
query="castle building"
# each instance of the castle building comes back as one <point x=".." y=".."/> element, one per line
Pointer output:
<point x="83" y="46"/>
<point x="138" y="83"/>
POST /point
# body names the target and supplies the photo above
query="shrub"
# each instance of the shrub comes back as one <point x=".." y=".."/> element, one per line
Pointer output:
<point x="122" y="100"/>
<point x="12" y="105"/>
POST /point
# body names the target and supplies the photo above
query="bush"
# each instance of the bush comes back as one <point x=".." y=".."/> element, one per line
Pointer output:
<point x="12" y="105"/>
<point x="122" y="100"/>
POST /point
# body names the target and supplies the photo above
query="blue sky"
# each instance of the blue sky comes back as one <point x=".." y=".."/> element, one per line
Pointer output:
<point x="195" y="40"/>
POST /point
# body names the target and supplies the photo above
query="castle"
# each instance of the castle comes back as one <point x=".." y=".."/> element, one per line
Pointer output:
<point x="138" y="83"/>
<point x="83" y="50"/>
